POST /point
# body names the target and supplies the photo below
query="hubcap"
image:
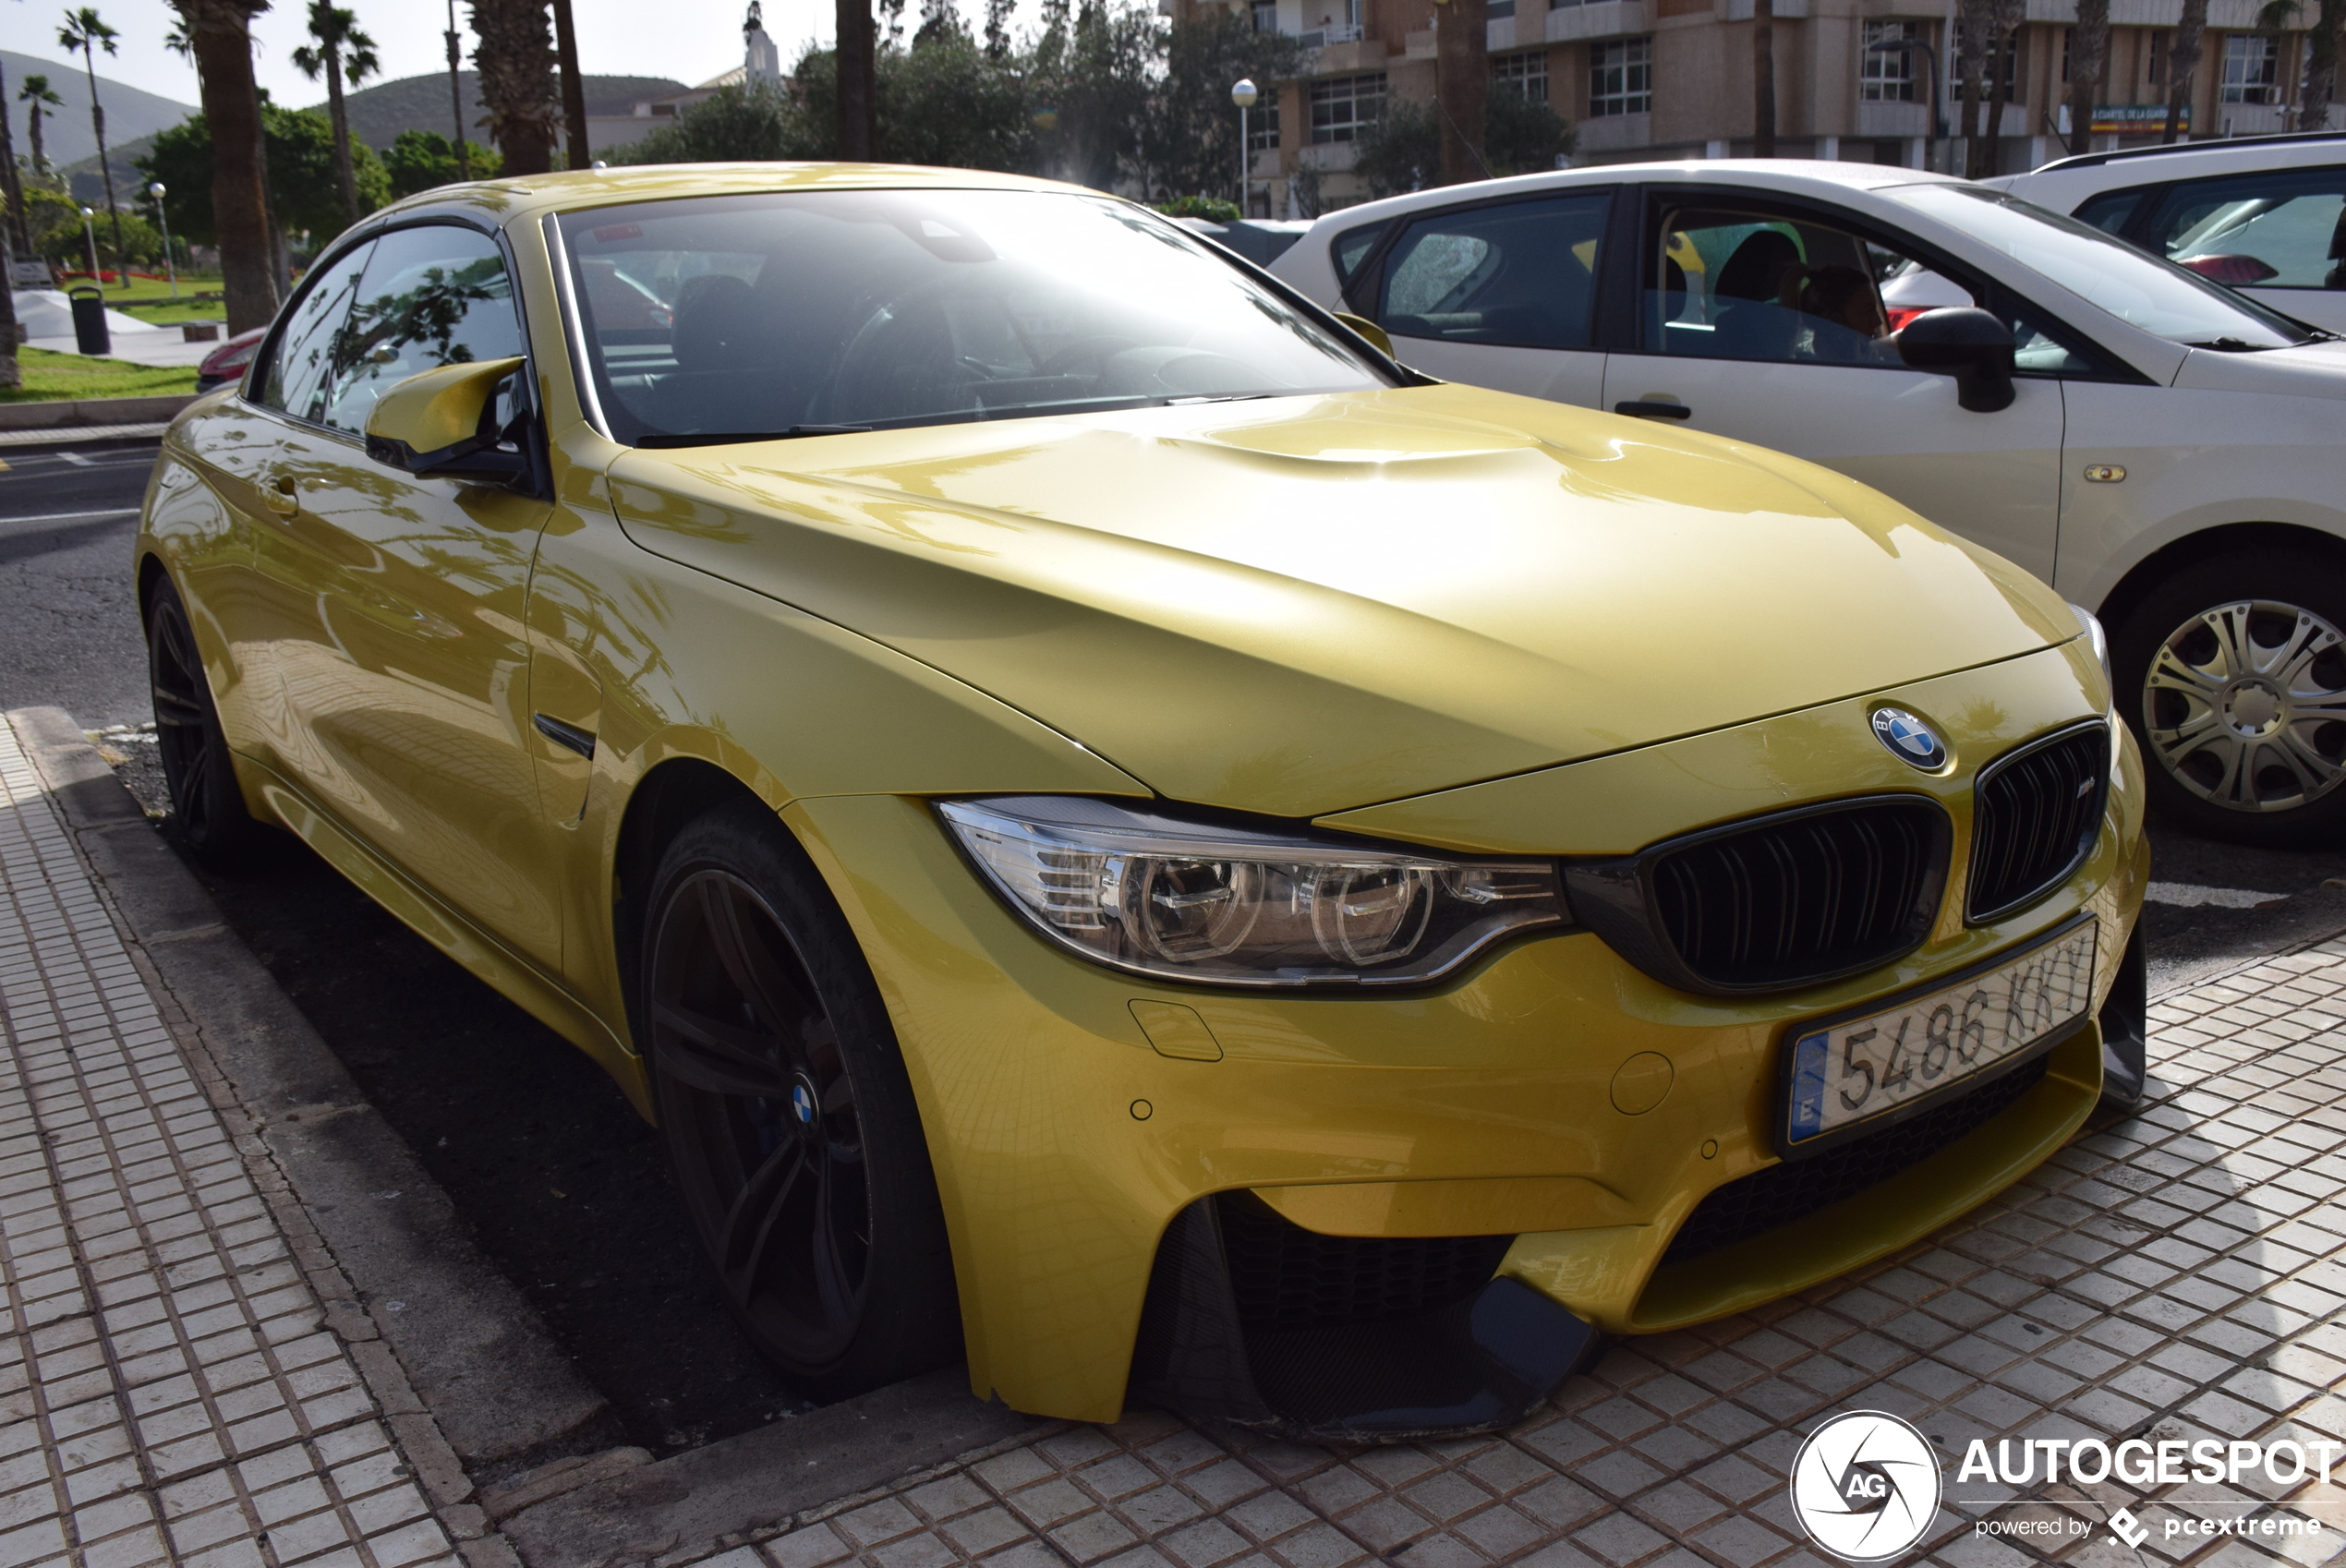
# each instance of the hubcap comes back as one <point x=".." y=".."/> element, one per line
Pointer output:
<point x="769" y="1151"/>
<point x="2245" y="705"/>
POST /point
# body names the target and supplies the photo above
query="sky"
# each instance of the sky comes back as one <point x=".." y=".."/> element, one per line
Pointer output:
<point x="687" y="40"/>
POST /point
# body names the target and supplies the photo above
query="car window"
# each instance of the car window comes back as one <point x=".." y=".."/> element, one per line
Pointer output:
<point x="2273" y="230"/>
<point x="1521" y="273"/>
<point x="432" y="296"/>
<point x="1353" y="247"/>
<point x="799" y="312"/>
<point x="301" y="361"/>
<point x="2145" y="291"/>
<point x="2113" y="210"/>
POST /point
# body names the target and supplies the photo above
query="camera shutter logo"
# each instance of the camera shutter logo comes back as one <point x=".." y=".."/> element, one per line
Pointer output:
<point x="1866" y="1486"/>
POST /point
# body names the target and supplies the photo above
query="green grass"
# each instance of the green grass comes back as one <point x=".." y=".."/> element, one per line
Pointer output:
<point x="50" y="378"/>
<point x="150" y="300"/>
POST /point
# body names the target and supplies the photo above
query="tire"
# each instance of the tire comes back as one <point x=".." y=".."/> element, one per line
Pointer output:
<point x="207" y="804"/>
<point x="2232" y="674"/>
<point x="788" y="1119"/>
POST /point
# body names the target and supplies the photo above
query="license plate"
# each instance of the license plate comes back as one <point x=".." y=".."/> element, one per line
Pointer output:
<point x="1869" y="1068"/>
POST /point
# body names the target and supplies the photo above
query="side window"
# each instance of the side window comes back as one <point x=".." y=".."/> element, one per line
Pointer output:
<point x="1764" y="286"/>
<point x="1523" y="273"/>
<point x="1353" y="247"/>
<point x="431" y="295"/>
<point x="2113" y="210"/>
<point x="295" y="379"/>
<point x="2282" y="230"/>
<point x="1752" y="285"/>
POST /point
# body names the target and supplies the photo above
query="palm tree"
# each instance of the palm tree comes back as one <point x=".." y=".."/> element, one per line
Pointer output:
<point x="2183" y="59"/>
<point x="2319" y="82"/>
<point x="220" y="33"/>
<point x="515" y="59"/>
<point x="2089" y="62"/>
<point x="35" y="94"/>
<point x="344" y="54"/>
<point x="84" y="34"/>
<point x="8" y="175"/>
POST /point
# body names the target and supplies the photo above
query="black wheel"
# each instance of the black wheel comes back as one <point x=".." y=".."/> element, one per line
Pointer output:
<point x="207" y="806"/>
<point x="787" y="1112"/>
<point x="2233" y="676"/>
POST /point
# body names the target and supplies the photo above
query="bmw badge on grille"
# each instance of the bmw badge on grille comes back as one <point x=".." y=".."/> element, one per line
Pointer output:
<point x="1909" y="739"/>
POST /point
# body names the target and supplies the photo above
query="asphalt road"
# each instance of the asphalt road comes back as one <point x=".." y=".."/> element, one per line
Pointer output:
<point x="563" y="1184"/>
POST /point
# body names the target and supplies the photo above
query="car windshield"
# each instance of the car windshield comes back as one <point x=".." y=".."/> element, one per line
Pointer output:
<point x="804" y="313"/>
<point x="2147" y="291"/>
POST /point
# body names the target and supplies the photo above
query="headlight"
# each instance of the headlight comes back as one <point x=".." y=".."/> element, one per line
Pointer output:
<point x="1223" y="906"/>
<point x="2100" y="641"/>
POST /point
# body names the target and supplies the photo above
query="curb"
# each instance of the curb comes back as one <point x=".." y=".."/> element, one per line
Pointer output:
<point x="101" y="412"/>
<point x="477" y="1357"/>
<point x="80" y="435"/>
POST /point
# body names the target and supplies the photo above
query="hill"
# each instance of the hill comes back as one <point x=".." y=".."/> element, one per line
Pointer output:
<point x="130" y="114"/>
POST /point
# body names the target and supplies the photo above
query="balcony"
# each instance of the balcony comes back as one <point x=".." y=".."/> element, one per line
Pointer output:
<point x="1321" y="36"/>
<point x="1607" y="18"/>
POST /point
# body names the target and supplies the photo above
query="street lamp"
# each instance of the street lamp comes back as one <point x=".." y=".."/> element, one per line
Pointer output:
<point x="1907" y="46"/>
<point x="90" y="233"/>
<point x="1244" y="95"/>
<point x="171" y="268"/>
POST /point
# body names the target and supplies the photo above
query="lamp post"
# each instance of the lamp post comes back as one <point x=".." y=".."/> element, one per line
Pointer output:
<point x="456" y="92"/>
<point x="90" y="233"/>
<point x="171" y="268"/>
<point x="1244" y="95"/>
<point x="1937" y="114"/>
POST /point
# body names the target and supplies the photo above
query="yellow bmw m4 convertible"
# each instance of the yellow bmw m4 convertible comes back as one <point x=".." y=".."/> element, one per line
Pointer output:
<point x="1116" y="830"/>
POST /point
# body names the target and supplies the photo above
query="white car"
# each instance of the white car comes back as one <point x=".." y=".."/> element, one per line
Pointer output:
<point x="2163" y="451"/>
<point x="2265" y="214"/>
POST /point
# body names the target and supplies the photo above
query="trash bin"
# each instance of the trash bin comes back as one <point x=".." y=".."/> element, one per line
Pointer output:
<point x="89" y="333"/>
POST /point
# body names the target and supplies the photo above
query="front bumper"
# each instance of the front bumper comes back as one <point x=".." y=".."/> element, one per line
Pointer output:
<point x="1065" y="1145"/>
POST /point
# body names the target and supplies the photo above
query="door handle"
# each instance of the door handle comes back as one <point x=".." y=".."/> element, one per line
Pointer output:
<point x="280" y="494"/>
<point x="1650" y="408"/>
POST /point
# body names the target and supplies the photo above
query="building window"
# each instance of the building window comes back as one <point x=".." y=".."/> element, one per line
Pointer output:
<point x="1266" y="15"/>
<point x="1496" y="11"/>
<point x="1887" y="76"/>
<point x="2252" y="68"/>
<point x="1525" y="72"/>
<point x="1263" y="124"/>
<point x="1342" y="107"/>
<point x="1621" y="77"/>
<point x="1987" y="68"/>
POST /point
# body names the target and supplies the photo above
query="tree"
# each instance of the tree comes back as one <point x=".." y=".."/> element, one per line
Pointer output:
<point x="1462" y="85"/>
<point x="2319" y="80"/>
<point x="1191" y="143"/>
<point x="2183" y="59"/>
<point x="948" y="103"/>
<point x="747" y="122"/>
<point x="344" y="54"/>
<point x="2088" y="59"/>
<point x="11" y="176"/>
<point x="233" y="172"/>
<point x="1522" y="135"/>
<point x="84" y="33"/>
<point x="856" y="81"/>
<point x="11" y="373"/>
<point x="573" y="86"/>
<point x="515" y="59"/>
<point x="1098" y="70"/>
<point x="37" y="96"/>
<point x="421" y="159"/>
<point x="1401" y="151"/>
<point x="305" y="189"/>
<point x="1763" y="79"/>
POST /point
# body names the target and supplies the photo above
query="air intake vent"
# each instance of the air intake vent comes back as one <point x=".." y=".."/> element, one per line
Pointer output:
<point x="1776" y="903"/>
<point x="1286" y="1277"/>
<point x="2033" y="818"/>
<point x="1768" y="1199"/>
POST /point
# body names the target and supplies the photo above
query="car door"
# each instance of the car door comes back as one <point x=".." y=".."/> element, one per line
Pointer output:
<point x="403" y="654"/>
<point x="1495" y="294"/>
<point x="2278" y="237"/>
<point x="1770" y="322"/>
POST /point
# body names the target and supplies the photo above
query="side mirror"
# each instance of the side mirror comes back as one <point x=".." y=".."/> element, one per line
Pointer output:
<point x="441" y="425"/>
<point x="1369" y="329"/>
<point x="1967" y="343"/>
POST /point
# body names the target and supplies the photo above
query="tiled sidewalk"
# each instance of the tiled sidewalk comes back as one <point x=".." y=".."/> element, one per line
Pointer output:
<point x="168" y="1390"/>
<point x="2177" y="1273"/>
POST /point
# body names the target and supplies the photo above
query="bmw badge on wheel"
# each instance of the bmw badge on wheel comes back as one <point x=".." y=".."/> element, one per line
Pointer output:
<point x="1866" y="1486"/>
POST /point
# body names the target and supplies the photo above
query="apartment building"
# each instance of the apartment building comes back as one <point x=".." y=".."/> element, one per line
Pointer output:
<point x="1672" y="78"/>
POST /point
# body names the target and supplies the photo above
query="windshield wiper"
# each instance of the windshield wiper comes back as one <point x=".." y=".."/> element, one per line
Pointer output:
<point x="729" y="438"/>
<point x="2231" y="346"/>
<point x="1215" y="397"/>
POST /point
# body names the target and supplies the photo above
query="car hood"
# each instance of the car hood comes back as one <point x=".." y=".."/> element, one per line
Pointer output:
<point x="2311" y="369"/>
<point x="1299" y="605"/>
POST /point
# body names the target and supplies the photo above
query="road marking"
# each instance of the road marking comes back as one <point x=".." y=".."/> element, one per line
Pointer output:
<point x="73" y="516"/>
<point x="75" y="459"/>
<point x="3" y="465"/>
<point x="2189" y="897"/>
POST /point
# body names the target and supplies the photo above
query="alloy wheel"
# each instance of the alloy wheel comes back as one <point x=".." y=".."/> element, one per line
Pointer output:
<point x="185" y="732"/>
<point x="2245" y="705"/>
<point x="770" y="1149"/>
